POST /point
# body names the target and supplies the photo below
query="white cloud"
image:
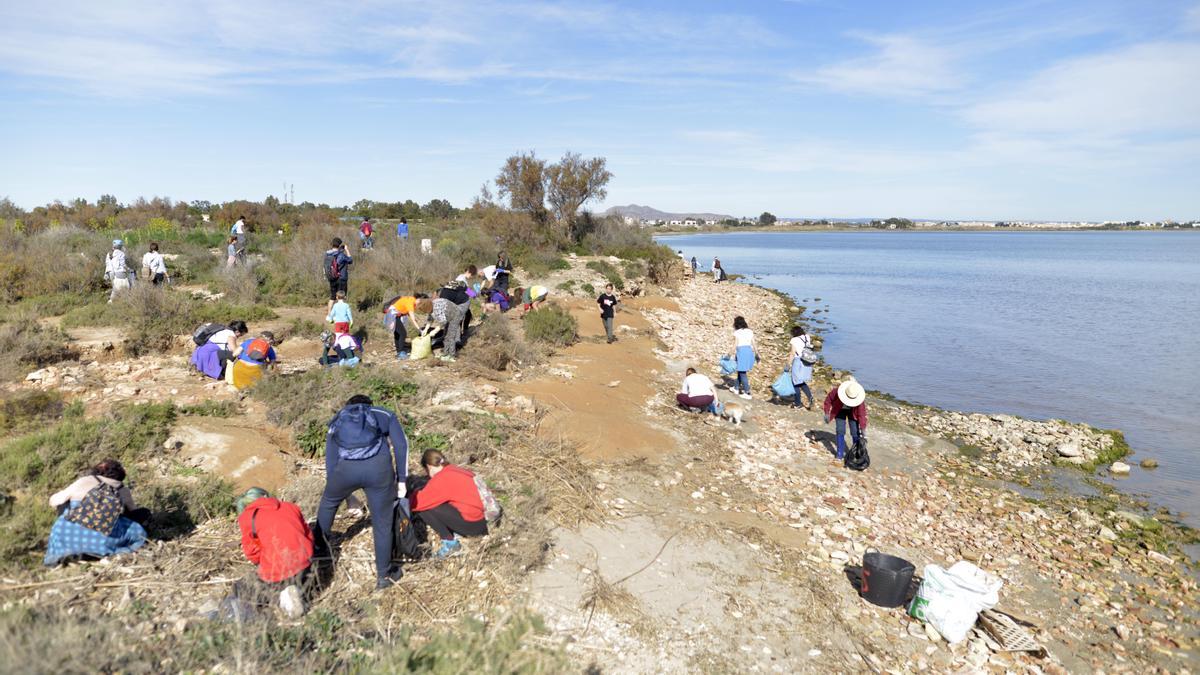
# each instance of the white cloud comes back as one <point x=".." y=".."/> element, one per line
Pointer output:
<point x="1191" y="20"/>
<point x="1146" y="88"/>
<point x="901" y="65"/>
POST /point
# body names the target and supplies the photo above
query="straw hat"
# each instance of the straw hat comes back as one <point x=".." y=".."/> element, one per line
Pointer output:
<point x="851" y="393"/>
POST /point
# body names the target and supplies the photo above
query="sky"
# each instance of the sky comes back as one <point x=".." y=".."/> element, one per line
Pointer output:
<point x="1033" y="110"/>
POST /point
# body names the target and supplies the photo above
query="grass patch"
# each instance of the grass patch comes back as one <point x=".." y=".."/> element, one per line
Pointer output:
<point x="567" y="286"/>
<point x="212" y="409"/>
<point x="25" y="409"/>
<point x="496" y="348"/>
<point x="551" y="325"/>
<point x="28" y="346"/>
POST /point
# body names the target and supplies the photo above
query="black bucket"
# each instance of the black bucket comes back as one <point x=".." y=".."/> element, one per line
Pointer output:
<point x="885" y="579"/>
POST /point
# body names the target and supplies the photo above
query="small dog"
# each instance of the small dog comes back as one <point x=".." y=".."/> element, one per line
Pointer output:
<point x="732" y="411"/>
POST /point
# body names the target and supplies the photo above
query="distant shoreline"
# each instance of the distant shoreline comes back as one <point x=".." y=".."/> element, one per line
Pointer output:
<point x="785" y="228"/>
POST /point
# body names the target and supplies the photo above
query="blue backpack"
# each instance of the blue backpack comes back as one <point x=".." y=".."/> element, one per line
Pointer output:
<point x="356" y="432"/>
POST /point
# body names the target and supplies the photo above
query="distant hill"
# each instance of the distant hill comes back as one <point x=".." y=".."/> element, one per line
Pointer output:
<point x="649" y="213"/>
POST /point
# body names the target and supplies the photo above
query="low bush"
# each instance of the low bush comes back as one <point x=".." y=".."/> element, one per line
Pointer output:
<point x="494" y="347"/>
<point x="28" y="345"/>
<point x="23" y="409"/>
<point x="608" y="271"/>
<point x="551" y="325"/>
<point x="152" y="317"/>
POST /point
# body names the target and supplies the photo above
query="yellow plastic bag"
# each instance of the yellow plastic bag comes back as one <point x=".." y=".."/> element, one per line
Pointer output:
<point x="422" y="347"/>
<point x="245" y="374"/>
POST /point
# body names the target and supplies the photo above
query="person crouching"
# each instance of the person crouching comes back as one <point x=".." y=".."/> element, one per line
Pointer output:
<point x="278" y="541"/>
<point x="449" y="503"/>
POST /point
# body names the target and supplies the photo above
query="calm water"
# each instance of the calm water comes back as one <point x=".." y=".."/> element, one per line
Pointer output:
<point x="1097" y="327"/>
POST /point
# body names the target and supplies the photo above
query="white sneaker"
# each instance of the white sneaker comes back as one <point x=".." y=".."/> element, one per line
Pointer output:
<point x="745" y="396"/>
<point x="291" y="602"/>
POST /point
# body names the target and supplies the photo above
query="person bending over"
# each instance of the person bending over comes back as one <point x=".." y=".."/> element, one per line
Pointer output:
<point x="697" y="391"/>
<point x="357" y="458"/>
<point x="277" y="540"/>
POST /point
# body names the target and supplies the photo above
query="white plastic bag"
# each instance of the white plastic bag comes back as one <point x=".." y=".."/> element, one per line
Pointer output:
<point x="951" y="600"/>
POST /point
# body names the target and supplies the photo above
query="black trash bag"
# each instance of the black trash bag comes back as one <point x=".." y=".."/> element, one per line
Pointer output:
<point x="857" y="458"/>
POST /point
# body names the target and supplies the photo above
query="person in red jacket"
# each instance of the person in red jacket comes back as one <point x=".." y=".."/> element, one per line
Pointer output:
<point x="449" y="503"/>
<point x="847" y="403"/>
<point x="278" y="541"/>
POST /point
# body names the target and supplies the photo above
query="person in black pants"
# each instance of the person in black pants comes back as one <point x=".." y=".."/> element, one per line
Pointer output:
<point x="449" y="503"/>
<point x="357" y="457"/>
<point x="503" y="268"/>
<point x="337" y="269"/>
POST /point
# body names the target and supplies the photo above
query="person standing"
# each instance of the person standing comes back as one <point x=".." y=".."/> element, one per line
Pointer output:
<point x="608" y="303"/>
<point x="695" y="266"/>
<point x="847" y="403"/>
<point x="503" y="270"/>
<point x="402" y="229"/>
<point x="116" y="270"/>
<point x="231" y="253"/>
<point x="154" y="264"/>
<point x="800" y="369"/>
<point x="744" y="353"/>
<point x="357" y="457"/>
<point x="717" y="273"/>
<point x="365" y="234"/>
<point x="340" y="311"/>
<point x="277" y="540"/>
<point x="238" y="232"/>
<point x="337" y="269"/>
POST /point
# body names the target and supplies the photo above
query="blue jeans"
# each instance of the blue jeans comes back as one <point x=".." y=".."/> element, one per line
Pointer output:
<point x="803" y="387"/>
<point x="840" y="428"/>
<point x="743" y="383"/>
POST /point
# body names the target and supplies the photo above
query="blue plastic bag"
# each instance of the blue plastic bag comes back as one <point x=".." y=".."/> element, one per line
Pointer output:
<point x="783" y="386"/>
<point x="728" y="365"/>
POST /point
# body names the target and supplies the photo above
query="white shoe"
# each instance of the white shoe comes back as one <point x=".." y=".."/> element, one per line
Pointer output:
<point x="291" y="603"/>
<point x="745" y="396"/>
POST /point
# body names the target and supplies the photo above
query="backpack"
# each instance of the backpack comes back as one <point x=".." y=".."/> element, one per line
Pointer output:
<point x="491" y="506"/>
<point x="99" y="509"/>
<point x="356" y="439"/>
<point x="333" y="267"/>
<point x="807" y="356"/>
<point x="857" y="458"/>
<point x="258" y="349"/>
<point x="407" y="533"/>
<point x="204" y="333"/>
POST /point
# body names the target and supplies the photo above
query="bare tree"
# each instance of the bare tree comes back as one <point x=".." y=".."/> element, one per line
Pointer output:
<point x="572" y="183"/>
<point x="522" y="180"/>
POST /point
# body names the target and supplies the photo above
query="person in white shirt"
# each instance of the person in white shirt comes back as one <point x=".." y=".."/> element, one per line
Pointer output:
<point x="467" y="275"/>
<point x="801" y="371"/>
<point x="154" y="264"/>
<point x="745" y="353"/>
<point x="115" y="269"/>
<point x="239" y="230"/>
<point x="697" y="392"/>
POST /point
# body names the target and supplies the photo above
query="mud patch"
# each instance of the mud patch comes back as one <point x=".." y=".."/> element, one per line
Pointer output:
<point x="247" y="456"/>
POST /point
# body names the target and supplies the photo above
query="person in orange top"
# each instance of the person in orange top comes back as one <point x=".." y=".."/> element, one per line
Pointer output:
<point x="278" y="541"/>
<point x="449" y="503"/>
<point x="403" y="307"/>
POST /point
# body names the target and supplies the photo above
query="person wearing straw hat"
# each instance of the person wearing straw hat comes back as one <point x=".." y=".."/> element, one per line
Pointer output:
<point x="276" y="538"/>
<point x="847" y="403"/>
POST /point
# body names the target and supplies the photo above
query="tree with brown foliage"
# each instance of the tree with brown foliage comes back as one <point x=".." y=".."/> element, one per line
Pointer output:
<point x="570" y="184"/>
<point x="522" y="180"/>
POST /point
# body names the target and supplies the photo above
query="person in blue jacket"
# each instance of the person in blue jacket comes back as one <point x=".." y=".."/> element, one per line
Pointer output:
<point x="357" y="458"/>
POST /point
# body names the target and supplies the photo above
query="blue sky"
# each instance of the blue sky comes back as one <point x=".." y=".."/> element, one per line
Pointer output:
<point x="1022" y="110"/>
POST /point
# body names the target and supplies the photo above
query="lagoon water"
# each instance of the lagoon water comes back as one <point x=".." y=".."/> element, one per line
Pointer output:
<point x="1096" y="327"/>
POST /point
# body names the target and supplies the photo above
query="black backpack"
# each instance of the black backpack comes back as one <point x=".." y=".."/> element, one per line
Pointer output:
<point x="333" y="267"/>
<point x="407" y="533"/>
<point x="857" y="458"/>
<point x="205" y="332"/>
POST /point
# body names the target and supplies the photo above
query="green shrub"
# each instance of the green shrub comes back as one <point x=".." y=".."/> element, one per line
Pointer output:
<point x="551" y="325"/>
<point x="606" y="270"/>
<point x="180" y="505"/>
<point x="567" y="286"/>
<point x="588" y="288"/>
<point x="28" y="345"/>
<point x="542" y="262"/>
